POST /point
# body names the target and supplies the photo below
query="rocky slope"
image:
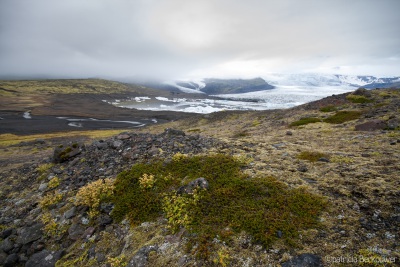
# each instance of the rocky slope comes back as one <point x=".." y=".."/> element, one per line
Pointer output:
<point x="344" y="148"/>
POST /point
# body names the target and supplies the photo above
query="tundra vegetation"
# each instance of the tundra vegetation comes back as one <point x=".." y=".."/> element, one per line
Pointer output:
<point x="281" y="185"/>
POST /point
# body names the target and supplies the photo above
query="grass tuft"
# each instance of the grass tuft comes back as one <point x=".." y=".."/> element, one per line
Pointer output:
<point x="304" y="121"/>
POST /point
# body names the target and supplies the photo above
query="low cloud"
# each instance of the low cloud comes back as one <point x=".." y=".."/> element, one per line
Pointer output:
<point x="172" y="39"/>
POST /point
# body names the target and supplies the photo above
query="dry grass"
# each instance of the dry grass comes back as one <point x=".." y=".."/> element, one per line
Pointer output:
<point x="12" y="139"/>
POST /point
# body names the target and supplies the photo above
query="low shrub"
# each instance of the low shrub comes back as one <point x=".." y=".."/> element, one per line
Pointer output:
<point x="94" y="193"/>
<point x="260" y="206"/>
<point x="50" y="200"/>
<point x="54" y="182"/>
<point x="343" y="116"/>
<point x="311" y="156"/>
<point x="304" y="121"/>
<point x="329" y="108"/>
<point x="359" y="99"/>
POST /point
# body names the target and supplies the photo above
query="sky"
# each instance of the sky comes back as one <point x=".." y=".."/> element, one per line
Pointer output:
<point x="181" y="39"/>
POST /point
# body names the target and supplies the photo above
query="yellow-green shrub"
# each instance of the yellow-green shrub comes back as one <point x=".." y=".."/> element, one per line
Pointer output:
<point x="147" y="181"/>
<point x="54" y="182"/>
<point x="50" y="199"/>
<point x="177" y="209"/>
<point x="93" y="194"/>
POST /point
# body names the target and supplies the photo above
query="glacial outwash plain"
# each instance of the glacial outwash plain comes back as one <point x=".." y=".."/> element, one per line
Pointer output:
<point x="86" y="183"/>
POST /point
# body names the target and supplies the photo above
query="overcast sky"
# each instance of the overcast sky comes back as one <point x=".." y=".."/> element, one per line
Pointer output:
<point x="174" y="39"/>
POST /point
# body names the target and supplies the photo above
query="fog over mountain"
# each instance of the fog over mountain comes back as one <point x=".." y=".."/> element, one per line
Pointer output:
<point x="175" y="39"/>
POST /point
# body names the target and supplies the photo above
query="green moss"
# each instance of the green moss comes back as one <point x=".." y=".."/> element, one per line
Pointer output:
<point x="311" y="156"/>
<point x="304" y="121"/>
<point x="343" y="116"/>
<point x="329" y="108"/>
<point x="259" y="206"/>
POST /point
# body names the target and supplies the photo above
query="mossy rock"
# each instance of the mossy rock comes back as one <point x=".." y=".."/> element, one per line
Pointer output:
<point x="64" y="153"/>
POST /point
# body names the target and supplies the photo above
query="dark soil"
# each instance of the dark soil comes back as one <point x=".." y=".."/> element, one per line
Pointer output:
<point x="79" y="106"/>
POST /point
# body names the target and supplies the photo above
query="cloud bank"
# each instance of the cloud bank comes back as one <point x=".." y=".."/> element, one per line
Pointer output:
<point x="171" y="39"/>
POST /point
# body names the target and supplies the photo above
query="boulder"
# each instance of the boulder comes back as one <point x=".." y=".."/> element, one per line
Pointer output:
<point x="30" y="234"/>
<point x="64" y="153"/>
<point x="362" y="92"/>
<point x="44" y="258"/>
<point x="75" y="231"/>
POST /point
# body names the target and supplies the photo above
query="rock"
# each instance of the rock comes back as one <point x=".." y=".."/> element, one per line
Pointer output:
<point x="7" y="245"/>
<point x="11" y="260"/>
<point x="371" y="125"/>
<point x="116" y="144"/>
<point x="362" y="92"/>
<point x="89" y="232"/>
<point x="70" y="213"/>
<point x="30" y="234"/>
<point x="101" y="144"/>
<point x="141" y="257"/>
<point x="3" y="257"/>
<point x="123" y="137"/>
<point x="64" y="153"/>
<point x="104" y="220"/>
<point x="302" y="168"/>
<point x="44" y="258"/>
<point x="174" y="132"/>
<point x="304" y="260"/>
<point x="279" y="146"/>
<point x="200" y="183"/>
<point x="6" y="233"/>
<point x="43" y="187"/>
<point x="289" y="133"/>
<point x="100" y="257"/>
<point x="393" y="123"/>
<point x="75" y="231"/>
<point x="106" y="207"/>
<point x="392" y="143"/>
<point x="279" y="234"/>
<point x="323" y="159"/>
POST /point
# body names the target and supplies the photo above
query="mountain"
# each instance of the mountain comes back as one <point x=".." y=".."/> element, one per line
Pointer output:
<point x="323" y="80"/>
<point x="213" y="86"/>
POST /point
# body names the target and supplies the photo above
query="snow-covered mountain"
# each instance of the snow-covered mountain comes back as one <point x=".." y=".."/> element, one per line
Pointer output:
<point x="323" y="80"/>
<point x="271" y="80"/>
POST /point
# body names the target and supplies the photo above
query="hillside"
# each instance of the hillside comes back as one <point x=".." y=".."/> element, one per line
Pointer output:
<point x="316" y="183"/>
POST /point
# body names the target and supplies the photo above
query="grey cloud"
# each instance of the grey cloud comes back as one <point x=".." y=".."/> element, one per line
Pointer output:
<point x="175" y="38"/>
